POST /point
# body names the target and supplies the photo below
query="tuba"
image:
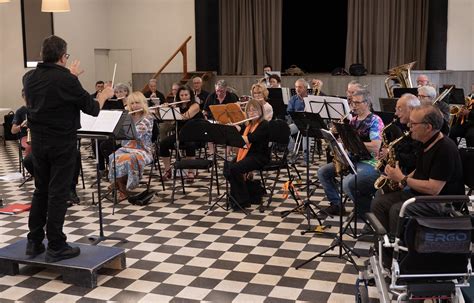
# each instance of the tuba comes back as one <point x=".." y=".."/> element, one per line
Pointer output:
<point x="398" y="76"/>
<point x="383" y="182"/>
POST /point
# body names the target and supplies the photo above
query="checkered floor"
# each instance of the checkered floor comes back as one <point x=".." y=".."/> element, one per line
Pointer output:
<point x="176" y="252"/>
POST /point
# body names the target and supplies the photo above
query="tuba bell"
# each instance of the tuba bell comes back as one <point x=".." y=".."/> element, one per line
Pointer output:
<point x="398" y="76"/>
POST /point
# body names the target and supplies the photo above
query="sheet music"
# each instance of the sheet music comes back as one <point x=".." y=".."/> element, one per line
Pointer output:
<point x="104" y="122"/>
<point x="166" y="113"/>
<point x="329" y="137"/>
<point x="327" y="107"/>
<point x="285" y="92"/>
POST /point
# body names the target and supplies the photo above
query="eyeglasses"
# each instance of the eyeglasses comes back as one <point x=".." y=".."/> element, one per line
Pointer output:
<point x="411" y="124"/>
<point x="423" y="96"/>
<point x="357" y="102"/>
<point x="67" y="56"/>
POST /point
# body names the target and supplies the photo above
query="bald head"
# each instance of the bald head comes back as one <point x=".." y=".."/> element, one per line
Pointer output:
<point x="422" y="80"/>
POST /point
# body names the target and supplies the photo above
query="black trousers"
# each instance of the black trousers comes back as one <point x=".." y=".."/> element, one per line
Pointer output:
<point x="386" y="208"/>
<point x="234" y="173"/>
<point x="53" y="165"/>
<point x="464" y="131"/>
<point x="168" y="143"/>
<point x="28" y="163"/>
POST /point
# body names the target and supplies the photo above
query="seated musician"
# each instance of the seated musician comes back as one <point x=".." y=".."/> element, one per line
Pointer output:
<point x="254" y="156"/>
<point x="317" y="86"/>
<point x="19" y="126"/>
<point x="275" y="81"/>
<point x="131" y="158"/>
<point x="201" y="94"/>
<point x="427" y="95"/>
<point x="99" y="87"/>
<point x="189" y="110"/>
<point x="368" y="126"/>
<point x="296" y="104"/>
<point x="221" y="95"/>
<point x="259" y="92"/>
<point x="463" y="125"/>
<point x="153" y="92"/>
<point x="438" y="171"/>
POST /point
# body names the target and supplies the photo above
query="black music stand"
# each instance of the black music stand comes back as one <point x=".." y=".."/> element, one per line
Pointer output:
<point x="358" y="152"/>
<point x="275" y="98"/>
<point x="99" y="130"/>
<point x="338" y="241"/>
<point x="226" y="135"/>
<point x="310" y="125"/>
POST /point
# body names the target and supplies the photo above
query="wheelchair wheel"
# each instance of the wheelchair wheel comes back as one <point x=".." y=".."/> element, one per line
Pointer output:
<point x="362" y="295"/>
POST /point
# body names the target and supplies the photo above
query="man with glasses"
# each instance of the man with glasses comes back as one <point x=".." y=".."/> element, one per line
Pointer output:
<point x="438" y="171"/>
<point x="368" y="127"/>
<point x="427" y="95"/>
<point x="55" y="98"/>
<point x="199" y="92"/>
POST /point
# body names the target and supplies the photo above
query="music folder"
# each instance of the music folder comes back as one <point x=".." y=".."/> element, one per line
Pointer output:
<point x="227" y="113"/>
<point x="327" y="107"/>
<point x="108" y="122"/>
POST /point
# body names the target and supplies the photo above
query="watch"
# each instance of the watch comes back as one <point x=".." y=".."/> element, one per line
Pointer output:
<point x="404" y="182"/>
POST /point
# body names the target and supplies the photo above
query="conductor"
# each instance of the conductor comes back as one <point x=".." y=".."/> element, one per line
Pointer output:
<point x="55" y="98"/>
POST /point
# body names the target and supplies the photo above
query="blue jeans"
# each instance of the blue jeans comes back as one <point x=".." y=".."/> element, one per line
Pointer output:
<point x="366" y="176"/>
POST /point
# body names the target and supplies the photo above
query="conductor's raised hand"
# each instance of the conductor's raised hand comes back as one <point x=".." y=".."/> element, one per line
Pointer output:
<point x="75" y="68"/>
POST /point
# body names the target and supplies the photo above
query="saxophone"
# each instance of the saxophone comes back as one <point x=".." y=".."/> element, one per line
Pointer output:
<point x="381" y="162"/>
<point x="383" y="182"/>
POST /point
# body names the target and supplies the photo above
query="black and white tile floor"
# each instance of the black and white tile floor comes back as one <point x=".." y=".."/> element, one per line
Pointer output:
<point x="176" y="252"/>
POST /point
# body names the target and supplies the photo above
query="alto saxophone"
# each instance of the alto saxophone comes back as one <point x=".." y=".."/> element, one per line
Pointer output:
<point x="382" y="181"/>
<point x="381" y="163"/>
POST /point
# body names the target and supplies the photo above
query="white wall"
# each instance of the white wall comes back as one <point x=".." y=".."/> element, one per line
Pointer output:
<point x="11" y="55"/>
<point x="460" y="45"/>
<point x="152" y="29"/>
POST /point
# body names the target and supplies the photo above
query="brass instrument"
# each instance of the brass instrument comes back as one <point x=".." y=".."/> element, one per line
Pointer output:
<point x="383" y="181"/>
<point x="442" y="95"/>
<point x="317" y="88"/>
<point x="455" y="110"/>
<point x="400" y="76"/>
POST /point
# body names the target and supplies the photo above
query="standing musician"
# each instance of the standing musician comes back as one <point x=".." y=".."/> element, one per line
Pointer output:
<point x="368" y="126"/>
<point x="259" y="92"/>
<point x="189" y="110"/>
<point x="464" y="123"/>
<point x="131" y="158"/>
<point x="254" y="156"/>
<point x="221" y="95"/>
<point x="55" y="98"/>
<point x="438" y="171"/>
<point x="19" y="126"/>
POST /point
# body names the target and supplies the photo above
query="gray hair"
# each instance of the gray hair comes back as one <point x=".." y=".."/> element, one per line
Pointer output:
<point x="428" y="91"/>
<point x="152" y="81"/>
<point x="364" y="92"/>
<point x="302" y="80"/>
<point x="221" y="83"/>
<point x="432" y="116"/>
<point x="121" y="86"/>
<point x="412" y="100"/>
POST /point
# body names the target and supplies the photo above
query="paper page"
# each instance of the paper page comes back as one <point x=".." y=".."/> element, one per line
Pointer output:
<point x="167" y="114"/>
<point x="104" y="122"/>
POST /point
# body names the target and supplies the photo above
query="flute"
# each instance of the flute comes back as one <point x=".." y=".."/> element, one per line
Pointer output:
<point x="245" y="120"/>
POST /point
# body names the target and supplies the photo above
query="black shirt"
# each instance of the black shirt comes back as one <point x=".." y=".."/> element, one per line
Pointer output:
<point x="406" y="150"/>
<point x="259" y="139"/>
<point x="158" y="95"/>
<point x="212" y="100"/>
<point x="202" y="98"/>
<point x="55" y="98"/>
<point x="443" y="163"/>
<point x="20" y="116"/>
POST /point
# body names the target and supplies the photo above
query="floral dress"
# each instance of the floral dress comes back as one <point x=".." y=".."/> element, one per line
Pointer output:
<point x="132" y="157"/>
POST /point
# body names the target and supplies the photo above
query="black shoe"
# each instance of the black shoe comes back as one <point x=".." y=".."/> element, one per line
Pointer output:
<point x="73" y="197"/>
<point x="34" y="248"/>
<point x="335" y="210"/>
<point x="67" y="252"/>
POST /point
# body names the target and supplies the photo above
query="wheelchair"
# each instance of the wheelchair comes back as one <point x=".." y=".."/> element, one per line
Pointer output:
<point x="430" y="256"/>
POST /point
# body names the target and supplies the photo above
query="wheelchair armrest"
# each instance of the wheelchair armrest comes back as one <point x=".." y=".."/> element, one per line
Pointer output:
<point x="376" y="225"/>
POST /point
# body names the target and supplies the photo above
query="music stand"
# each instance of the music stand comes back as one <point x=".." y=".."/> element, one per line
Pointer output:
<point x="227" y="113"/>
<point x="106" y="125"/>
<point x="275" y="98"/>
<point x="226" y="135"/>
<point x="327" y="107"/>
<point x="310" y="125"/>
<point x="358" y="152"/>
<point x="338" y="241"/>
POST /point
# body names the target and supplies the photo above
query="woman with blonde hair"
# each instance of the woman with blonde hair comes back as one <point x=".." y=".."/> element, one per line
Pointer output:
<point x="253" y="156"/>
<point x="259" y="92"/>
<point x="131" y="158"/>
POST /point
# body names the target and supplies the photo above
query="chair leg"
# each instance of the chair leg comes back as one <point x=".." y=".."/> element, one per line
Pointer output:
<point x="182" y="180"/>
<point x="210" y="185"/>
<point x="263" y="181"/>
<point x="217" y="175"/>
<point x="273" y="188"/>
<point x="174" y="186"/>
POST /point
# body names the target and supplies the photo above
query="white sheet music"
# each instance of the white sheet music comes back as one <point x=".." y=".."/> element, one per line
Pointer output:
<point x="286" y="94"/>
<point x="104" y="122"/>
<point x="334" y="108"/>
<point x="166" y="113"/>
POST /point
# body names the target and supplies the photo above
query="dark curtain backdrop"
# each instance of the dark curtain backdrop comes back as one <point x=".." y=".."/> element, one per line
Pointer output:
<point x="250" y="36"/>
<point x="385" y="33"/>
